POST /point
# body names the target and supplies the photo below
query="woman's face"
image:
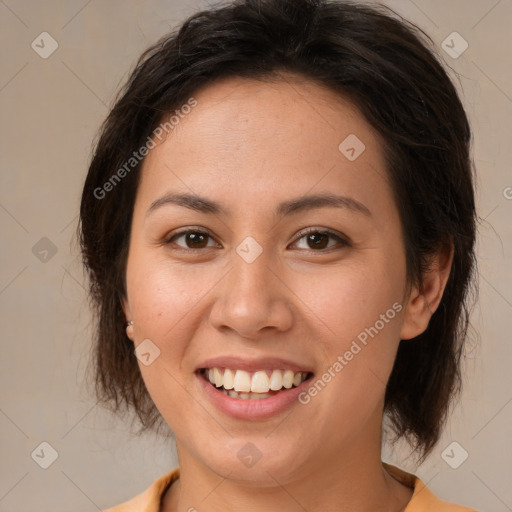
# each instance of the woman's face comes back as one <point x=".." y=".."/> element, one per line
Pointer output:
<point x="249" y="172"/>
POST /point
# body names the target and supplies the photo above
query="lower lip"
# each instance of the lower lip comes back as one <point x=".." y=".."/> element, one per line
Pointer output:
<point x="252" y="409"/>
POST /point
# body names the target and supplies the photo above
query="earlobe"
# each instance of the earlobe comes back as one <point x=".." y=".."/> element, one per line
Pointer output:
<point x="129" y="322"/>
<point x="130" y="330"/>
<point x="425" y="298"/>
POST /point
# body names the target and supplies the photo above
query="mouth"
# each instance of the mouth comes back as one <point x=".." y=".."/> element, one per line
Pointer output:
<point x="257" y="385"/>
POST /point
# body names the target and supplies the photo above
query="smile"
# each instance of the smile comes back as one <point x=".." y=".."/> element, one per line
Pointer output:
<point x="256" y="385"/>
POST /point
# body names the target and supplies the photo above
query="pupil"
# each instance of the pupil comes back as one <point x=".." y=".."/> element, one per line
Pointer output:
<point x="318" y="240"/>
<point x="195" y="238"/>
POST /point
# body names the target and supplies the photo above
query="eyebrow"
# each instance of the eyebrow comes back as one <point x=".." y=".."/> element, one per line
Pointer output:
<point x="290" y="207"/>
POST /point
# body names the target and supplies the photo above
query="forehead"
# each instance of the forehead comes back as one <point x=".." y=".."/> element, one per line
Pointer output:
<point x="306" y="115"/>
<point x="269" y="139"/>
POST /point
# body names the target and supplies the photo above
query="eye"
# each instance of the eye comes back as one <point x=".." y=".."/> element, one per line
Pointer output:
<point x="318" y="240"/>
<point x="192" y="239"/>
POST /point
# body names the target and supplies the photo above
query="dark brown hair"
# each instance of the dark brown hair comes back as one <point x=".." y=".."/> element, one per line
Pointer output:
<point x="387" y="68"/>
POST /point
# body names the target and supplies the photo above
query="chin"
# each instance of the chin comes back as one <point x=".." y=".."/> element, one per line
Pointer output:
<point x="259" y="460"/>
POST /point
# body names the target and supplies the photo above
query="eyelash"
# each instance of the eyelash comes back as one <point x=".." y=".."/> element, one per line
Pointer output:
<point x="343" y="242"/>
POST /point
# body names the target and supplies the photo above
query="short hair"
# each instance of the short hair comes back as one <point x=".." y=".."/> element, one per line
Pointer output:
<point x="388" y="68"/>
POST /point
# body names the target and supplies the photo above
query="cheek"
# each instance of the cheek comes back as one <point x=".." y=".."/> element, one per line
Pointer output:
<point x="359" y="313"/>
<point x="162" y="294"/>
<point x="348" y="300"/>
<point x="164" y="300"/>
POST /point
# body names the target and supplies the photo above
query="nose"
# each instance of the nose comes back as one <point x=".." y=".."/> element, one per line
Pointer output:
<point x="252" y="299"/>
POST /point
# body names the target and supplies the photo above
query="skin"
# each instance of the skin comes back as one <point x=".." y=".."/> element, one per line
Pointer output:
<point x="250" y="145"/>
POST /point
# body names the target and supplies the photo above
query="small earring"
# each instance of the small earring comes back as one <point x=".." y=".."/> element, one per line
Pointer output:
<point x="129" y="329"/>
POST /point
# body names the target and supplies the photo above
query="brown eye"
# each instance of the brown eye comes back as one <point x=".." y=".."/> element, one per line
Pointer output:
<point x="318" y="240"/>
<point x="191" y="239"/>
<point x="196" y="240"/>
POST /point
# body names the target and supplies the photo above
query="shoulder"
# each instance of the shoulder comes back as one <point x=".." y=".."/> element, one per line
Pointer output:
<point x="423" y="499"/>
<point x="149" y="500"/>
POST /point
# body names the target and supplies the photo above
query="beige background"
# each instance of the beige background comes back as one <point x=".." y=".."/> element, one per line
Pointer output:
<point x="51" y="109"/>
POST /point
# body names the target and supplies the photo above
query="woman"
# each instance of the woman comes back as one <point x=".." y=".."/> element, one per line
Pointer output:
<point x="278" y="224"/>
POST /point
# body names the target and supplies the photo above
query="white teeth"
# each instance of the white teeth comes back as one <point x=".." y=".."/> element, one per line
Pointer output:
<point x="242" y="381"/>
<point x="218" y="377"/>
<point x="241" y="384"/>
<point x="229" y="379"/>
<point x="276" y="380"/>
<point x="288" y="379"/>
<point x="245" y="396"/>
<point x="260" y="382"/>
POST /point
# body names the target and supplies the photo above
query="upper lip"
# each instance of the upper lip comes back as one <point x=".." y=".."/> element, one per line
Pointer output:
<point x="254" y="364"/>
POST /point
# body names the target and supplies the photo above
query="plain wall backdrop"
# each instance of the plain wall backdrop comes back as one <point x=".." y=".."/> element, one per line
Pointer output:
<point x="51" y="110"/>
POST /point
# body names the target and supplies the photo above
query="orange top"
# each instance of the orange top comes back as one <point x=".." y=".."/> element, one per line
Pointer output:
<point x="422" y="499"/>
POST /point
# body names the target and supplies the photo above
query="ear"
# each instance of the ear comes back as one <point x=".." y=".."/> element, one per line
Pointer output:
<point x="424" y="299"/>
